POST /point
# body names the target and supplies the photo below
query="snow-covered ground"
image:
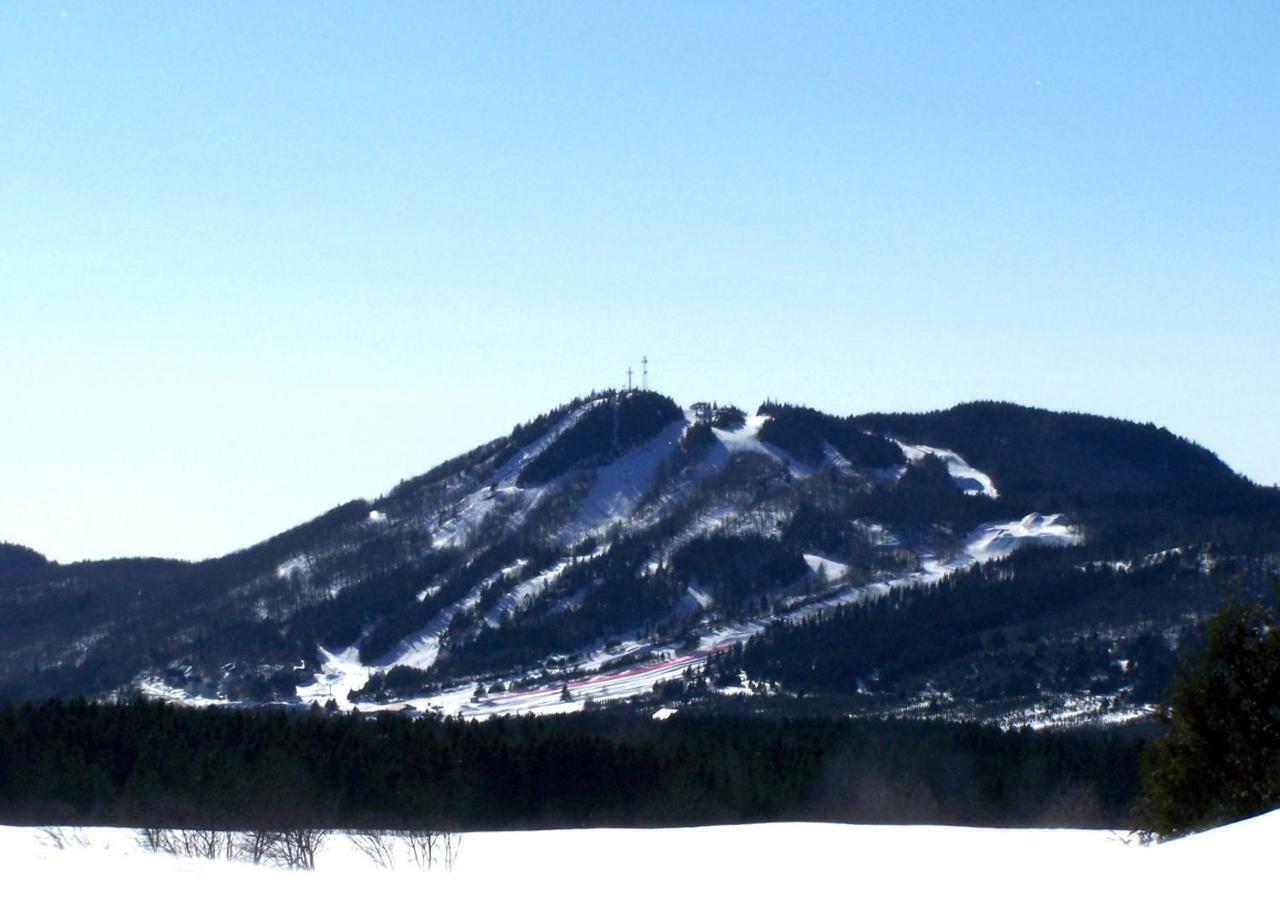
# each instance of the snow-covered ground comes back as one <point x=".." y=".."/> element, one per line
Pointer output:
<point x="502" y="493"/>
<point x="772" y="860"/>
<point x="1070" y="709"/>
<point x="966" y="477"/>
<point x="619" y="486"/>
<point x="421" y="649"/>
<point x="834" y="571"/>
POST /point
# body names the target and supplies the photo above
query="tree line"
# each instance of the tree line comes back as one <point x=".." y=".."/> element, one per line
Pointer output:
<point x="144" y="763"/>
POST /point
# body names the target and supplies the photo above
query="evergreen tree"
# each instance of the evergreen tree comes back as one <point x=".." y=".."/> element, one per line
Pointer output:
<point x="1219" y="759"/>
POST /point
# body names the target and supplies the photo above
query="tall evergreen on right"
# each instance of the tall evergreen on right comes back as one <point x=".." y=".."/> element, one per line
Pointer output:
<point x="1219" y="758"/>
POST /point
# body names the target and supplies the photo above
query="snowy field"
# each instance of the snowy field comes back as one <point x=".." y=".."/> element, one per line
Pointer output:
<point x="776" y="860"/>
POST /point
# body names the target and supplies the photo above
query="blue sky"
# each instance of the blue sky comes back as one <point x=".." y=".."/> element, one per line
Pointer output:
<point x="256" y="260"/>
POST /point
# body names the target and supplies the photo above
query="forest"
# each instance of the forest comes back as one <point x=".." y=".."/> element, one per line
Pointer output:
<point x="146" y="763"/>
<point x="1009" y="629"/>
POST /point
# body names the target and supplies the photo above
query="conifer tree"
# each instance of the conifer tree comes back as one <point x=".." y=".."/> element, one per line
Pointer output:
<point x="1219" y="758"/>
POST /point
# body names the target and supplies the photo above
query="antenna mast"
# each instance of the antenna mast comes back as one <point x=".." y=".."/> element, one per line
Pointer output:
<point x="628" y="378"/>
<point x="644" y="363"/>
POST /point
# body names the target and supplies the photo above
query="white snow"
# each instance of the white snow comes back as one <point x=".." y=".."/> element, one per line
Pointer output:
<point x="154" y="687"/>
<point x="750" y="861"/>
<point x="700" y="596"/>
<point x="527" y="590"/>
<point x="547" y="699"/>
<point x="998" y="541"/>
<point x="747" y="440"/>
<point x="297" y="565"/>
<point x="833" y="570"/>
<point x="471" y="510"/>
<point x="421" y="649"/>
<point x="1066" y="710"/>
<point x="620" y="484"/>
<point x="735" y="516"/>
<point x="878" y="535"/>
<point x="339" y="673"/>
<point x="966" y="477"/>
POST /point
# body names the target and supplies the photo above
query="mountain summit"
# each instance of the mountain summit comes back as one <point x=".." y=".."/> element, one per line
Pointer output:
<point x="987" y="561"/>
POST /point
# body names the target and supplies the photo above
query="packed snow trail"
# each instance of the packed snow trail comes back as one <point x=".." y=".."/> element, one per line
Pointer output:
<point x="965" y="476"/>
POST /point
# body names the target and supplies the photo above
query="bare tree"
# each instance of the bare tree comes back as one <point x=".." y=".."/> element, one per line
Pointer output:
<point x="157" y="840"/>
<point x="294" y="848"/>
<point x="204" y="843"/>
<point x="201" y="843"/>
<point x="300" y="845"/>
<point x="427" y="846"/>
<point x="377" y="845"/>
<point x="421" y="843"/>
<point x="259" y="846"/>
<point x="64" y="838"/>
<point x="452" y="845"/>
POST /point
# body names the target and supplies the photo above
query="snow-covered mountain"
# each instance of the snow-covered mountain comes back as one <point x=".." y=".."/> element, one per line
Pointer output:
<point x="622" y="546"/>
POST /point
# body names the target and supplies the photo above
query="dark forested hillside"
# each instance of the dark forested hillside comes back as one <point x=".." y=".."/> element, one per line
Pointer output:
<point x="1005" y="630"/>
<point x="14" y="558"/>
<point x="804" y="433"/>
<point x="602" y="434"/>
<point x="155" y="764"/>
<point x="1032" y="450"/>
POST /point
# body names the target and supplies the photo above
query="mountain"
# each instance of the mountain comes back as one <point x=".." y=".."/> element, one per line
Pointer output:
<point x="988" y="561"/>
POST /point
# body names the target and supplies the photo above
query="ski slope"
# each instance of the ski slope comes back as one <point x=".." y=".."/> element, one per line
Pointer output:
<point x="966" y="477"/>
<point x="628" y="664"/>
<point x="603" y="676"/>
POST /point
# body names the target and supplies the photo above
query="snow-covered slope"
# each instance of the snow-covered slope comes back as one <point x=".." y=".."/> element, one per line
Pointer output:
<point x="599" y="677"/>
<point x="967" y="478"/>
<point x="729" y="481"/>
<point x="744" y="861"/>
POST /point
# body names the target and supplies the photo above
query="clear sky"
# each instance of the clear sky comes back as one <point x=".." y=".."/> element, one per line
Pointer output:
<point x="260" y="259"/>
